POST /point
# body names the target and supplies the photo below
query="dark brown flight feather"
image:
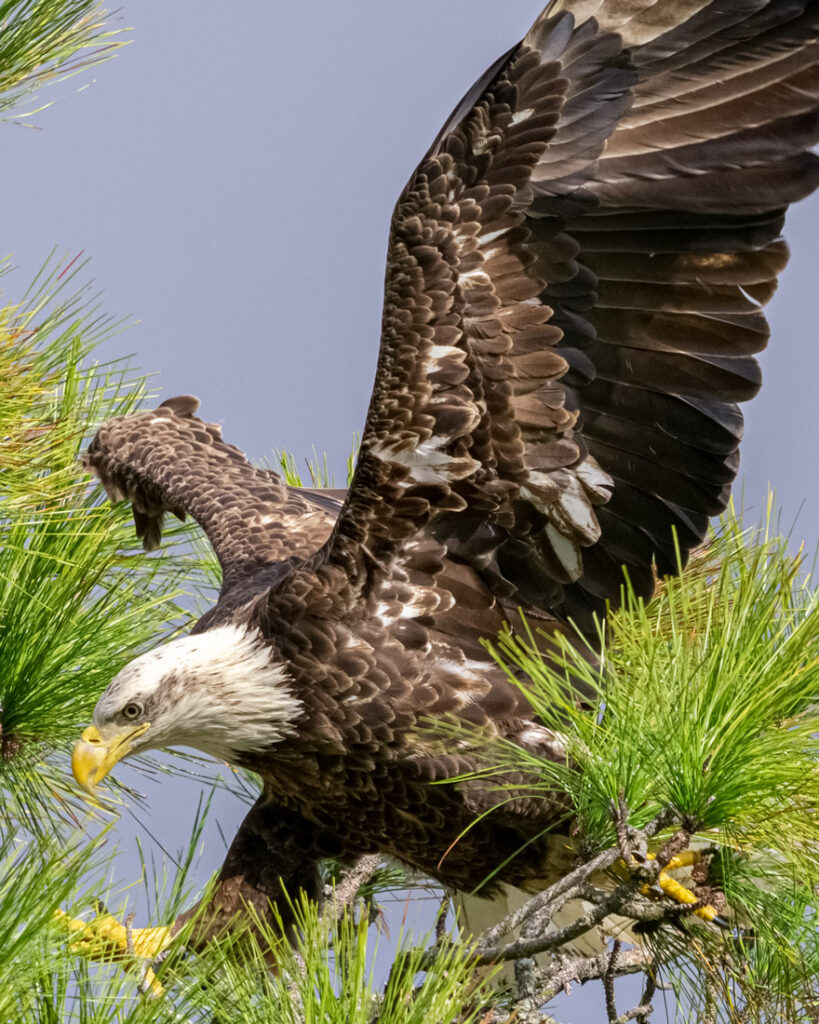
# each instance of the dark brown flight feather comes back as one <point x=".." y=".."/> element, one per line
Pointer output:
<point x="573" y="303"/>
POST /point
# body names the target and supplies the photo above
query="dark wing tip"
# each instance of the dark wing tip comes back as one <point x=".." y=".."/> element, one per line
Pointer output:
<point x="148" y="528"/>
<point x="182" y="405"/>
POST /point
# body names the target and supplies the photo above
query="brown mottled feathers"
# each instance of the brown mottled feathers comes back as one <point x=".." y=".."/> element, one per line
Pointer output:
<point x="573" y="304"/>
<point x="168" y="460"/>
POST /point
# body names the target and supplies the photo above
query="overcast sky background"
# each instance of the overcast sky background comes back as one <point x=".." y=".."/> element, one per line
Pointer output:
<point x="231" y="175"/>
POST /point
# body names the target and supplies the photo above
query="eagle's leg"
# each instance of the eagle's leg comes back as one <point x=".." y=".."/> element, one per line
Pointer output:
<point x="675" y="890"/>
<point x="275" y="851"/>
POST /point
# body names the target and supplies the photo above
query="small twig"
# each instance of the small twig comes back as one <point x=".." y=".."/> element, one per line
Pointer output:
<point x="647" y="996"/>
<point x="608" y="981"/>
<point x="710" y="1011"/>
<point x="292" y="986"/>
<point x="619" y="813"/>
<point x="294" y="994"/>
<point x="558" y="978"/>
<point x="641" y="1012"/>
<point x="550" y="896"/>
<point x="145" y="970"/>
<point x="555" y="895"/>
<point x="346" y="889"/>
<point x="161" y="957"/>
<point x="440" y="919"/>
<point x="623" y="900"/>
<point x="525" y="978"/>
<point x="339" y="897"/>
<point x="527" y="1011"/>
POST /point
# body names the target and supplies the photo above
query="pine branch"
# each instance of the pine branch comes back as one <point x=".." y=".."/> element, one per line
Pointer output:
<point x="343" y="894"/>
<point x="545" y="904"/>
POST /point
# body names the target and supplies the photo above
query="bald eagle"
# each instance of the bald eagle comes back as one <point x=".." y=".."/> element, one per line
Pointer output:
<point x="573" y="303"/>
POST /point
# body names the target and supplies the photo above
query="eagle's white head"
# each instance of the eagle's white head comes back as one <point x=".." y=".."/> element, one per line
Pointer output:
<point x="221" y="692"/>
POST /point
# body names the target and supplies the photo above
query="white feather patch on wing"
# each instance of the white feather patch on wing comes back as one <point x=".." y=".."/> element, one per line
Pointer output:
<point x="542" y="740"/>
<point x="422" y="601"/>
<point x="467" y="672"/>
<point x="491" y="236"/>
<point x="522" y="115"/>
<point x="567" y="552"/>
<point x="426" y="463"/>
<point x="574" y="512"/>
<point x="440" y="354"/>
<point x="595" y="480"/>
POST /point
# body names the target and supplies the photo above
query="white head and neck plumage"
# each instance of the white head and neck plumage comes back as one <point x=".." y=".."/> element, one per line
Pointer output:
<point x="221" y="692"/>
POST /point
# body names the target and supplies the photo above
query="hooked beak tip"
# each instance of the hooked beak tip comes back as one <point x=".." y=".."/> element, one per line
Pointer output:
<point x="93" y="757"/>
<point x="88" y="757"/>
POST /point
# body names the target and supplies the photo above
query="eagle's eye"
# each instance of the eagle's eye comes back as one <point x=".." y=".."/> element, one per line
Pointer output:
<point x="132" y="711"/>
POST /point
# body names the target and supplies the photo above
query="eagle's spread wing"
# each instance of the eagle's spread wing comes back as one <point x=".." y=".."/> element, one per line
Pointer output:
<point x="573" y="304"/>
<point x="573" y="299"/>
<point x="168" y="460"/>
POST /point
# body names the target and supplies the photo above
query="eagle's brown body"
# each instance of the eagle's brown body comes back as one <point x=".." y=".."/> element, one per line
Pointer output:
<point x="573" y="303"/>
<point x="359" y="763"/>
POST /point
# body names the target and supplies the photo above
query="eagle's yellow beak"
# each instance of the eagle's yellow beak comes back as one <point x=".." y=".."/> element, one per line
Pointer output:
<point x="94" y="756"/>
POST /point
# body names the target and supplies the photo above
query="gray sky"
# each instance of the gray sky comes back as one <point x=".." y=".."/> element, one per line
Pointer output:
<point x="232" y="179"/>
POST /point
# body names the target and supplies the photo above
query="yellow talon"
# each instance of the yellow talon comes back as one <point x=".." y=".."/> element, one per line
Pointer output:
<point x="107" y="939"/>
<point x="678" y="892"/>
<point x="686" y="859"/>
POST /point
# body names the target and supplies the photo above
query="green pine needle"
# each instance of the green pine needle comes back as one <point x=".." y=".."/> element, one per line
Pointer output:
<point x="704" y="702"/>
<point x="48" y="41"/>
<point x="75" y="603"/>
